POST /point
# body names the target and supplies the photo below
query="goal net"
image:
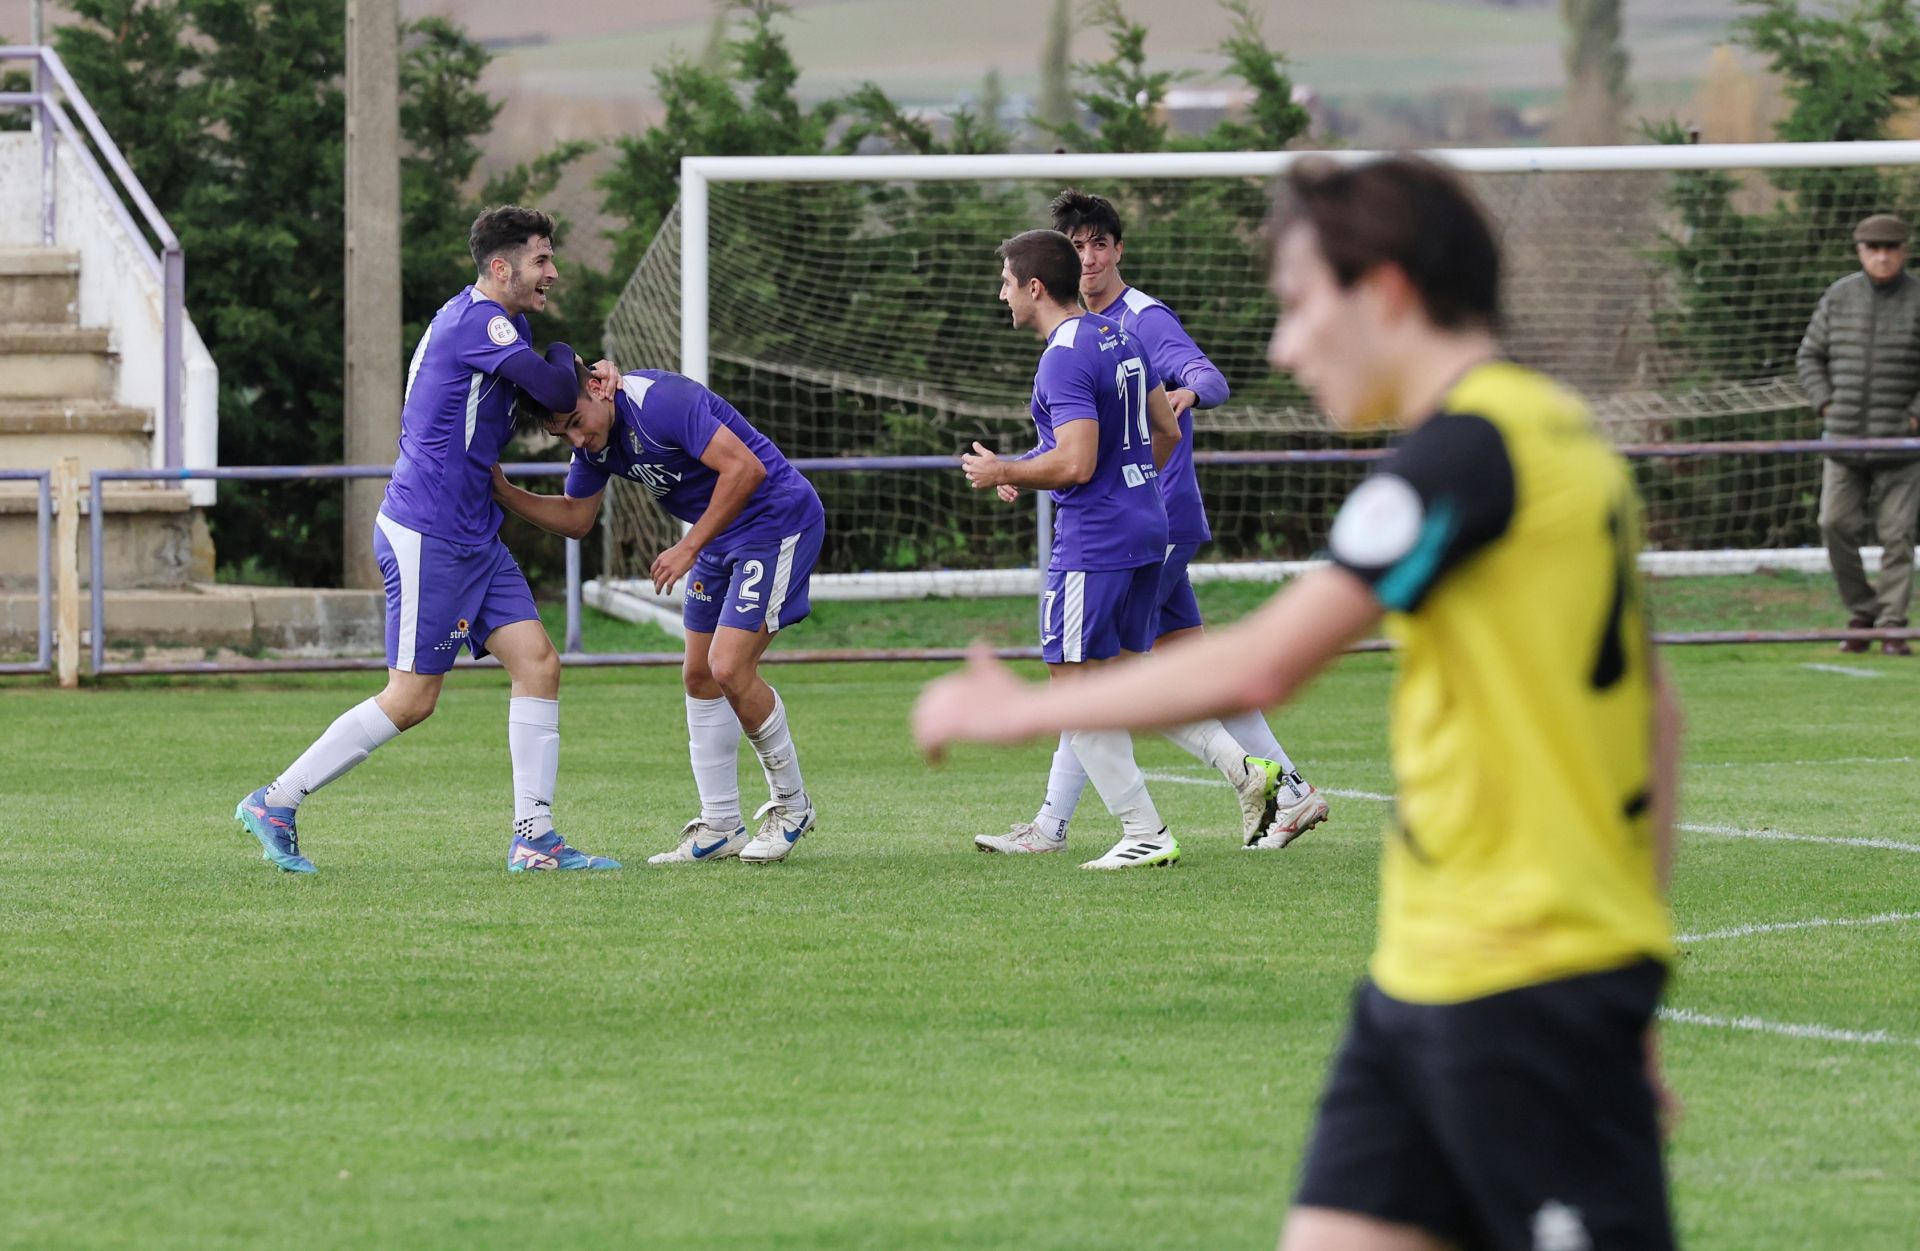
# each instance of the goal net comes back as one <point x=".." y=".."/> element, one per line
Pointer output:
<point x="848" y="307"/>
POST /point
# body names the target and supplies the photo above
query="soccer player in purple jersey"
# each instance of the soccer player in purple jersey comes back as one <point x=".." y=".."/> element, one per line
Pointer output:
<point x="450" y="580"/>
<point x="757" y="527"/>
<point x="1105" y="430"/>
<point x="1192" y="383"/>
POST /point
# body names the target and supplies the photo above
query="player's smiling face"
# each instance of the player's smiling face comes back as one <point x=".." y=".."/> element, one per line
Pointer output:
<point x="588" y="427"/>
<point x="1330" y="337"/>
<point x="530" y="273"/>
<point x="1099" y="265"/>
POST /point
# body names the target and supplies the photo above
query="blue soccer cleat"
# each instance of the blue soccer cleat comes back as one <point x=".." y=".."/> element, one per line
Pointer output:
<point x="274" y="827"/>
<point x="550" y="851"/>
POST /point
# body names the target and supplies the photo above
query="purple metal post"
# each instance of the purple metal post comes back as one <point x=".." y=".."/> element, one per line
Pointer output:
<point x="48" y="179"/>
<point x="98" y="573"/>
<point x="572" y="644"/>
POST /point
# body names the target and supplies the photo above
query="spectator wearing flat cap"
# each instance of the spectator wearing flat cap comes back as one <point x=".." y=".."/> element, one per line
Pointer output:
<point x="1860" y="368"/>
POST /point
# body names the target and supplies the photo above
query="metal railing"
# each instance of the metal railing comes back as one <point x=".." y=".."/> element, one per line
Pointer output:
<point x="169" y="265"/>
<point x="44" y="538"/>
<point x="573" y="654"/>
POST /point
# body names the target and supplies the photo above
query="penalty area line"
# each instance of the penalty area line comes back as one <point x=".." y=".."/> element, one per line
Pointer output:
<point x="1815" y="923"/>
<point x="1785" y="1029"/>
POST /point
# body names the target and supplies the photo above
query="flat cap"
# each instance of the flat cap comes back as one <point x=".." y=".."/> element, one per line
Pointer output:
<point x="1881" y="228"/>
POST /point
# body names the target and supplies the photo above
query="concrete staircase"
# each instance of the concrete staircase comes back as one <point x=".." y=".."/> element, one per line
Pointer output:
<point x="56" y="399"/>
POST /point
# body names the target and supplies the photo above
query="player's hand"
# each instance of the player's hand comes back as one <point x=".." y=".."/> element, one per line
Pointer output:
<point x="1666" y="1101"/>
<point x="1007" y="492"/>
<point x="670" y="566"/>
<point x="982" y="467"/>
<point x="1180" y="399"/>
<point x="976" y="705"/>
<point x="500" y="484"/>
<point x="607" y="373"/>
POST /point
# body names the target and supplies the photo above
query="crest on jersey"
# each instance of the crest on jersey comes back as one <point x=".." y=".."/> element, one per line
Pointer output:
<point x="633" y="441"/>
<point x="501" y="331"/>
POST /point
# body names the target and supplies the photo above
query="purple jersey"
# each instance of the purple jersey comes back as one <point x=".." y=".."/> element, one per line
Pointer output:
<point x="661" y="423"/>
<point x="1092" y="370"/>
<point x="456" y="418"/>
<point x="1179" y="362"/>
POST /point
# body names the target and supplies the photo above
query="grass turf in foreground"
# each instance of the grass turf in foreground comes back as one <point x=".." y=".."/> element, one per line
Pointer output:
<point x="889" y="1041"/>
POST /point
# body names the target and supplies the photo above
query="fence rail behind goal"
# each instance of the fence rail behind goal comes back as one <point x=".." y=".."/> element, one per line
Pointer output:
<point x="847" y="305"/>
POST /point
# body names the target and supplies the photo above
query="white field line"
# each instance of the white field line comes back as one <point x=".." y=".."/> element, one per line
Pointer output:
<point x="1845" y="670"/>
<point x="1797" y="764"/>
<point x="1776" y="927"/>
<point x="1754" y="1024"/>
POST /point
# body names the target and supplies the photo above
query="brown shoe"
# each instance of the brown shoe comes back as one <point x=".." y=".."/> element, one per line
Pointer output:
<point x="1895" y="647"/>
<point x="1857" y="647"/>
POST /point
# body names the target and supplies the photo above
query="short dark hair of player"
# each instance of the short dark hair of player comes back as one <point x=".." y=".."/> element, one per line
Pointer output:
<point x="505" y="228"/>
<point x="1074" y="211"/>
<point x="1049" y="256"/>
<point x="530" y="416"/>
<point x="1406" y="212"/>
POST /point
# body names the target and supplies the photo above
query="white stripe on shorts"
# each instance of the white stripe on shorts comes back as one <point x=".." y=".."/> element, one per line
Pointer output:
<point x="782" y="574"/>
<point x="406" y="554"/>
<point x="1073" y="618"/>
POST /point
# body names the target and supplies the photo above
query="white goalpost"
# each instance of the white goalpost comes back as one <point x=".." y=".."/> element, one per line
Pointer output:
<point x="847" y="306"/>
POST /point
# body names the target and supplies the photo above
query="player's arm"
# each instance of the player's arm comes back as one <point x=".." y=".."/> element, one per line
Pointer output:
<point x="557" y="514"/>
<point x="1165" y="423"/>
<point x="741" y="474"/>
<point x="550" y="380"/>
<point x="1665" y="799"/>
<point x="1192" y="380"/>
<point x="1070" y="462"/>
<point x="1260" y="660"/>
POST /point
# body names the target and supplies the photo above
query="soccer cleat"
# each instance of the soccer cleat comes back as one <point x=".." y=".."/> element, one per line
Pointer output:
<point x="1293" y="818"/>
<point x="781" y="826"/>
<point x="274" y="827"/>
<point x="550" y="851"/>
<point x="1024" y="838"/>
<point x="1139" y="853"/>
<point x="700" y="840"/>
<point x="1258" y="788"/>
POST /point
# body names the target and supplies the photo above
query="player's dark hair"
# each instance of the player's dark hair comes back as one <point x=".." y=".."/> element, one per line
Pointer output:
<point x="1074" y="211"/>
<point x="1049" y="256"/>
<point x="530" y="416"/>
<point x="505" y="228"/>
<point x="1402" y="211"/>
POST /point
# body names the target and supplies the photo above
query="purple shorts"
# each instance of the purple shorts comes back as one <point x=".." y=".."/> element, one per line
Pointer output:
<point x="754" y="582"/>
<point x="1097" y="614"/>
<point x="441" y="595"/>
<point x="1179" y="610"/>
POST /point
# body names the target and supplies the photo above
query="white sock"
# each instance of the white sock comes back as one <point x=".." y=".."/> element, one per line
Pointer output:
<point x="1107" y="756"/>
<point x="1251" y="731"/>
<point x="774" y="745"/>
<point x="349" y="740"/>
<point x="1065" y="783"/>
<point x="533" y="740"/>
<point x="1209" y="741"/>
<point x="713" y="741"/>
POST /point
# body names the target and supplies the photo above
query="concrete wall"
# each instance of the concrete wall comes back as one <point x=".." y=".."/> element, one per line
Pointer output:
<point x="117" y="290"/>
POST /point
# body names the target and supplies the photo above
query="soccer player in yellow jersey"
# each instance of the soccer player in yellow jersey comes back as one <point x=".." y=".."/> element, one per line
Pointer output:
<point x="1496" y="1086"/>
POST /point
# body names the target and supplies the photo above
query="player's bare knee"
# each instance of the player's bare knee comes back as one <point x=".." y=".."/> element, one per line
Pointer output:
<point x="735" y="675"/>
<point x="408" y="706"/>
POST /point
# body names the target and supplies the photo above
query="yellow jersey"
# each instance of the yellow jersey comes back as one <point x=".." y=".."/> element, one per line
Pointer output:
<point x="1500" y="535"/>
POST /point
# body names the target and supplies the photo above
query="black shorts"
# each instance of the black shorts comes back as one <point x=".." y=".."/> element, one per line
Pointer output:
<point x="1520" y="1120"/>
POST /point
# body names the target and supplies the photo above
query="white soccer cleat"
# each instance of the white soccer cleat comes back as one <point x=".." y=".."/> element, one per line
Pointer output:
<point x="1023" y="839"/>
<point x="701" y="841"/>
<point x="781" y="826"/>
<point x="1258" y="787"/>
<point x="1293" y="818"/>
<point x="1130" y="852"/>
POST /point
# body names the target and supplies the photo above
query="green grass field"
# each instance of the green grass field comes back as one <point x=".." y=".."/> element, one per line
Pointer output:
<point x="887" y="1042"/>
